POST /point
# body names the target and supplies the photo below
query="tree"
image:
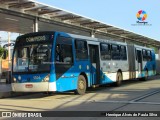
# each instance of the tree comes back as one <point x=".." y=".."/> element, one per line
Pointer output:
<point x="2" y="51"/>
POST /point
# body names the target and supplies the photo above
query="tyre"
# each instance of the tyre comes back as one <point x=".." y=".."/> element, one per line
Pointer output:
<point x="118" y="80"/>
<point x="81" y="85"/>
<point x="146" y="76"/>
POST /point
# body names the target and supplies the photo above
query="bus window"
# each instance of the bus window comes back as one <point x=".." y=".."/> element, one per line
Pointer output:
<point x="115" y="52"/>
<point x="135" y="54"/>
<point x="63" y="52"/>
<point x="58" y="53"/>
<point x="21" y="59"/>
<point x="81" y="49"/>
<point x="67" y="53"/>
<point x="22" y="53"/>
<point x="145" y="57"/>
<point x="123" y="53"/>
<point x="105" y="51"/>
<point x="149" y="55"/>
<point x="32" y="58"/>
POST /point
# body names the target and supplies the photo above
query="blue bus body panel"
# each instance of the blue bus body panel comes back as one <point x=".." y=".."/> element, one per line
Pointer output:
<point x="68" y="81"/>
<point x="30" y="77"/>
<point x="105" y="79"/>
<point x="150" y="65"/>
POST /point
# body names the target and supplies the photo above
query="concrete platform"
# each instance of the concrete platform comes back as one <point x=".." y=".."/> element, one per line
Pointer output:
<point x="6" y="91"/>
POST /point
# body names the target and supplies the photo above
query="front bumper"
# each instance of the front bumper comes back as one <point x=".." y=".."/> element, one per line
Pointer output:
<point x="34" y="87"/>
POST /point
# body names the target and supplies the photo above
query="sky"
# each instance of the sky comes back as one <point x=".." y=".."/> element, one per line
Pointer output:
<point x="119" y="13"/>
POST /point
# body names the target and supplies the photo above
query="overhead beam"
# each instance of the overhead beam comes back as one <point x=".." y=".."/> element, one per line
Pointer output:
<point x="115" y="31"/>
<point x="71" y="18"/>
<point x="60" y="16"/>
<point x="8" y="1"/>
<point x="22" y="5"/>
<point x="88" y="23"/>
<point x="102" y="27"/>
<point x="34" y="8"/>
<point x="42" y="12"/>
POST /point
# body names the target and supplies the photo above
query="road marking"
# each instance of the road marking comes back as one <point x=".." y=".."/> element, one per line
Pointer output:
<point x="80" y="100"/>
<point x="130" y="102"/>
<point x="40" y="99"/>
<point x="145" y="96"/>
<point x="118" y="102"/>
<point x="134" y="101"/>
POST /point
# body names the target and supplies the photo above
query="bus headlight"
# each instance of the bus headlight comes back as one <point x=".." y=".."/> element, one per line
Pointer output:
<point x="14" y="79"/>
<point x="46" y="79"/>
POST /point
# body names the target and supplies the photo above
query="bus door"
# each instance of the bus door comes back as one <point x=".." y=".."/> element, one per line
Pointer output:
<point x="95" y="64"/>
<point x="139" y="61"/>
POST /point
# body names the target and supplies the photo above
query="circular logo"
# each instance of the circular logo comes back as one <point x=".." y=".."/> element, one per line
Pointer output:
<point x="141" y="15"/>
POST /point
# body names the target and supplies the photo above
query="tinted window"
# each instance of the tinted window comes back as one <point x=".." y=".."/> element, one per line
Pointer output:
<point x="105" y="51"/>
<point x="149" y="56"/>
<point x="145" y="57"/>
<point x="115" y="52"/>
<point x="123" y="53"/>
<point x="32" y="58"/>
<point x="81" y="49"/>
<point x="63" y="50"/>
<point x="136" y="53"/>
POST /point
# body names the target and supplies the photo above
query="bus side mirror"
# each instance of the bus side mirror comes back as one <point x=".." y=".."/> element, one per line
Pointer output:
<point x="5" y="54"/>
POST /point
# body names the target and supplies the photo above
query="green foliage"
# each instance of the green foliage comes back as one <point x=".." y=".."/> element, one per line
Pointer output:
<point x="154" y="48"/>
<point x="2" y="51"/>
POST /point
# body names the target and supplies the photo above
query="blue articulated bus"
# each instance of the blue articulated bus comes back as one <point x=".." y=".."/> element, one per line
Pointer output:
<point x="58" y="61"/>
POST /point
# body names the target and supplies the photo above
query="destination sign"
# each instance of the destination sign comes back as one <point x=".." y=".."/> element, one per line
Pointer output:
<point x="36" y="38"/>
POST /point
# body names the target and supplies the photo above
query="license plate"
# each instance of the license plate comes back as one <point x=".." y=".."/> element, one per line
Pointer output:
<point x="28" y="85"/>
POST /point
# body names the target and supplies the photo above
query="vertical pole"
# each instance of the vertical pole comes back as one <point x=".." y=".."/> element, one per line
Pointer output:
<point x="93" y="34"/>
<point x="159" y="53"/>
<point x="9" y="40"/>
<point x="9" y="59"/>
<point x="35" y="25"/>
<point x="0" y="67"/>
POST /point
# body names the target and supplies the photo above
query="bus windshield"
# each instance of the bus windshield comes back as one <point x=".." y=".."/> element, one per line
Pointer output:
<point x="35" y="57"/>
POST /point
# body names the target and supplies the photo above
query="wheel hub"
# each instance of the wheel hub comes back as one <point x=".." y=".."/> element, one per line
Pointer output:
<point x="81" y="85"/>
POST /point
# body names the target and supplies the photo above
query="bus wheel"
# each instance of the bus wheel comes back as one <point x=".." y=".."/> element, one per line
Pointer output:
<point x="118" y="79"/>
<point x="146" y="76"/>
<point x="81" y="85"/>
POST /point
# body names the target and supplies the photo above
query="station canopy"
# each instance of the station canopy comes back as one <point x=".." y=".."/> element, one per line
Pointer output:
<point x="35" y="9"/>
